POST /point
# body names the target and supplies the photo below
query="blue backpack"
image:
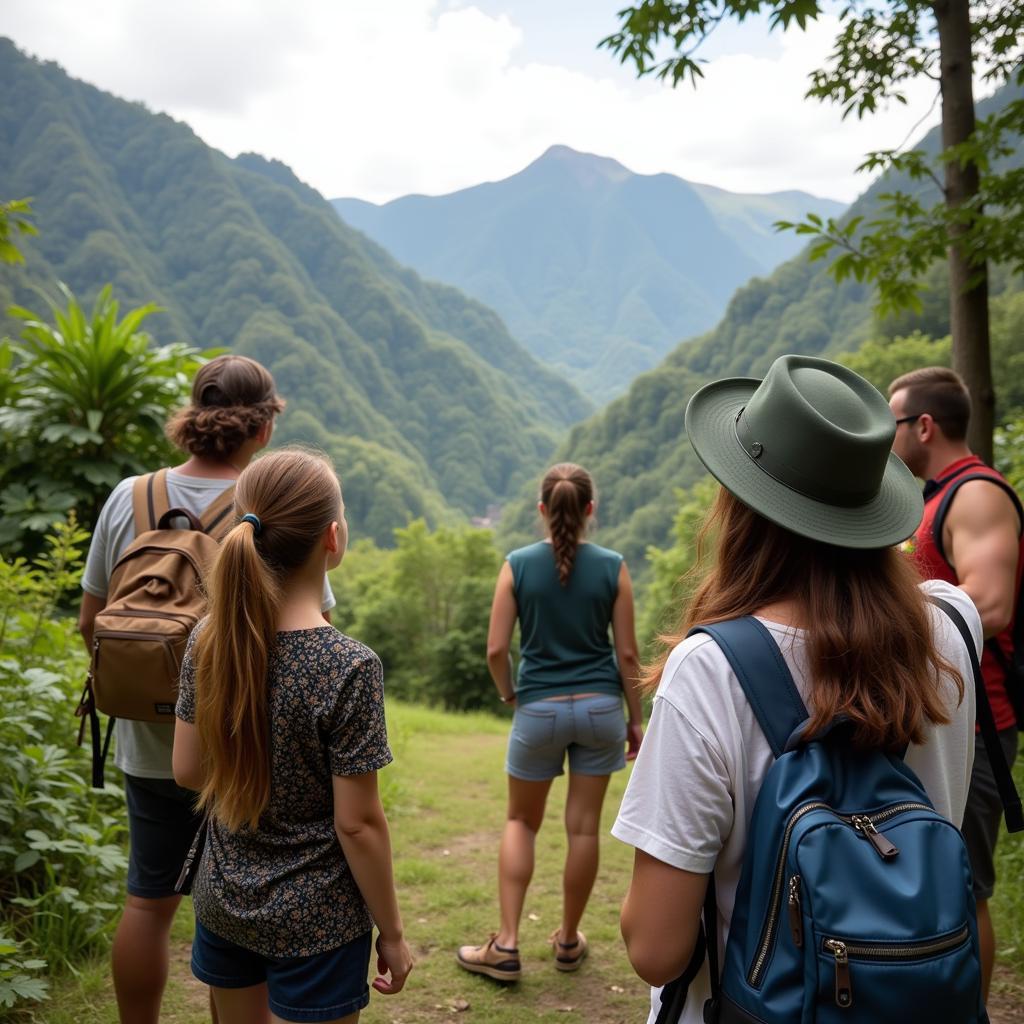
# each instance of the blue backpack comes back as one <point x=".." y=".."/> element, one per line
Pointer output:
<point x="854" y="904"/>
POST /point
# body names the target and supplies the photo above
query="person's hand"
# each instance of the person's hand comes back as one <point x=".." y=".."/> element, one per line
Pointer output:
<point x="395" y="958"/>
<point x="634" y="737"/>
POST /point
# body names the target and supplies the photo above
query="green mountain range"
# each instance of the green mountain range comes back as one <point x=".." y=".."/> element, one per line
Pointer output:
<point x="420" y="393"/>
<point x="636" y="446"/>
<point x="597" y="270"/>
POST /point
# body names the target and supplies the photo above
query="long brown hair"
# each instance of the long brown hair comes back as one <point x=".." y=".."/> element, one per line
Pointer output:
<point x="869" y="635"/>
<point x="233" y="397"/>
<point x="296" y="496"/>
<point x="566" y="491"/>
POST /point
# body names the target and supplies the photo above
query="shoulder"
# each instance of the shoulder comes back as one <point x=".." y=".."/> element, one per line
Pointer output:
<point x="530" y="553"/>
<point x="697" y="679"/>
<point x="120" y="498"/>
<point x="340" y="654"/>
<point x="604" y="554"/>
<point x="984" y="496"/>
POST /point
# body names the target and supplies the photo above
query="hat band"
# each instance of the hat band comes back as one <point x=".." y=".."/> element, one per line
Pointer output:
<point x="818" y="490"/>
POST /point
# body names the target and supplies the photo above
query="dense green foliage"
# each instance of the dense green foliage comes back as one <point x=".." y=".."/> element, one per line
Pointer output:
<point x="83" y="403"/>
<point x="240" y="253"/>
<point x="596" y="269"/>
<point x="424" y="608"/>
<point x="62" y="858"/>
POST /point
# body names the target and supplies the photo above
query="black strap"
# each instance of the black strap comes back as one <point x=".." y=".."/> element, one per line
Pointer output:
<point x="99" y="751"/>
<point x="990" y="736"/>
<point x="673" y="995"/>
<point x="192" y="858"/>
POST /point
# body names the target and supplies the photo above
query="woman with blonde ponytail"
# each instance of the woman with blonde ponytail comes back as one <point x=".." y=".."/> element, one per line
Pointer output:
<point x="566" y="593"/>
<point x="281" y="731"/>
<point x="229" y="419"/>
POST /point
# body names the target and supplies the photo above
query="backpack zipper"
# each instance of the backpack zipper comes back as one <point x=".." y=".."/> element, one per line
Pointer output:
<point x="774" y="906"/>
<point x="842" y="950"/>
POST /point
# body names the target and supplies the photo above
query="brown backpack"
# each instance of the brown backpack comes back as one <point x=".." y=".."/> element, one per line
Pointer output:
<point x="155" y="598"/>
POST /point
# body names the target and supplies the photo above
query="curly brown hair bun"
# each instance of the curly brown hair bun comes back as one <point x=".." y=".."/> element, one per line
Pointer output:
<point x="566" y="491"/>
<point x="233" y="398"/>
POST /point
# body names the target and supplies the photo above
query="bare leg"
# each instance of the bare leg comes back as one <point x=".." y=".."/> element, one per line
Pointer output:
<point x="582" y="824"/>
<point x="987" y="942"/>
<point x="526" y="802"/>
<point x="242" y="1005"/>
<point x="140" y="957"/>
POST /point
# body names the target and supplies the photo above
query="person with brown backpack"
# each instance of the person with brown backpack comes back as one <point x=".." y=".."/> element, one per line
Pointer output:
<point x="155" y="538"/>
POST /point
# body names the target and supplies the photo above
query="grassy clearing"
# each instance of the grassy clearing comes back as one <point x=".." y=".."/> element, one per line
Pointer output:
<point x="446" y="796"/>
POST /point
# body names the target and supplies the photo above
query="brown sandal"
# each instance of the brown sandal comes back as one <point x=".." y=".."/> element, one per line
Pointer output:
<point x="491" y="959"/>
<point x="569" y="955"/>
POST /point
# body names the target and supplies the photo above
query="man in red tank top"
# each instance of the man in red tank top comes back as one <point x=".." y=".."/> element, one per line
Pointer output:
<point x="970" y="535"/>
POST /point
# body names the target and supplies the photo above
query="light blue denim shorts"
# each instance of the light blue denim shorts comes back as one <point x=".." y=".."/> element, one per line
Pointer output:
<point x="591" y="729"/>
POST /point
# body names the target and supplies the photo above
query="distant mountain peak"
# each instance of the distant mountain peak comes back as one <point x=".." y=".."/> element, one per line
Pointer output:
<point x="588" y="168"/>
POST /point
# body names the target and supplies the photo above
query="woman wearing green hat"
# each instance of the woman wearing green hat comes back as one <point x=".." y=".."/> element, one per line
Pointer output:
<point x="802" y="536"/>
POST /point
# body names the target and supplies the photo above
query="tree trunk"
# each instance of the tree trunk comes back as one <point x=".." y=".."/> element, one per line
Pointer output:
<point x="968" y="282"/>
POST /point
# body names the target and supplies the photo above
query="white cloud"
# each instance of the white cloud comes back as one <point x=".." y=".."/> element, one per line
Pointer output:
<point x="375" y="100"/>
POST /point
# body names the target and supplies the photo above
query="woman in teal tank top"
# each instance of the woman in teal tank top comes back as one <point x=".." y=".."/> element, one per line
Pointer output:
<point x="565" y="593"/>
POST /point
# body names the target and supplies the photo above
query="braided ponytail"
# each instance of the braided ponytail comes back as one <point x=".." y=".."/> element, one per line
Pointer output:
<point x="566" y="491"/>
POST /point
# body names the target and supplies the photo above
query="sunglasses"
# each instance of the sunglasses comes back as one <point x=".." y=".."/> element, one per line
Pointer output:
<point x="909" y="419"/>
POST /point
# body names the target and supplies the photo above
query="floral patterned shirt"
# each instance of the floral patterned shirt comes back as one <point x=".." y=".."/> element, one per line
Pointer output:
<point x="284" y="888"/>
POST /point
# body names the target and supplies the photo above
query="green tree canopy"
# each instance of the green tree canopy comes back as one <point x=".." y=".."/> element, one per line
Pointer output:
<point x="978" y="212"/>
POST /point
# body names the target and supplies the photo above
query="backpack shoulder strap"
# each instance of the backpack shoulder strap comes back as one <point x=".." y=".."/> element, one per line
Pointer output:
<point x="149" y="500"/>
<point x="764" y="676"/>
<point x="217" y="518"/>
<point x="986" y="723"/>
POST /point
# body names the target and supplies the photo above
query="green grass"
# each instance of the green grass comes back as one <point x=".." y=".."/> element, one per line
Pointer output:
<point x="446" y="797"/>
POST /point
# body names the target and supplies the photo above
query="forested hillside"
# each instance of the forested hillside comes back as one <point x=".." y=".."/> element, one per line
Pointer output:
<point x="422" y="395"/>
<point x="597" y="270"/>
<point x="636" y="447"/>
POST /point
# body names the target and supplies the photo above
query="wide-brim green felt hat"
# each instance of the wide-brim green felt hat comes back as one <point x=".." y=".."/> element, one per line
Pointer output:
<point x="809" y="448"/>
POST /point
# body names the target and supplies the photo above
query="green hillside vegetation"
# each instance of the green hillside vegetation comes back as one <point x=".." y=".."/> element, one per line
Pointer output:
<point x="422" y="387"/>
<point x="598" y="270"/>
<point x="636" y="446"/>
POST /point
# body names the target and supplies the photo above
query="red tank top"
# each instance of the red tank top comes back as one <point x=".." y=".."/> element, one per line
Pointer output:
<point x="927" y="550"/>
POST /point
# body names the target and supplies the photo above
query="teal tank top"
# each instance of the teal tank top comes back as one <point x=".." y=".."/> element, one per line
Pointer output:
<point x="564" y="645"/>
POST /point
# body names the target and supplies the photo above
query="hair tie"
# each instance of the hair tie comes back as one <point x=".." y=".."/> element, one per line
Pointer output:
<point x="254" y="521"/>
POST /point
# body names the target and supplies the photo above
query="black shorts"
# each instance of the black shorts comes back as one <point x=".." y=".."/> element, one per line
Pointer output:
<point x="162" y="823"/>
<point x="984" y="813"/>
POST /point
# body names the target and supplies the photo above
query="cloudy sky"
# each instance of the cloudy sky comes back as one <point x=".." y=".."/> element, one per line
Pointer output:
<point x="373" y="99"/>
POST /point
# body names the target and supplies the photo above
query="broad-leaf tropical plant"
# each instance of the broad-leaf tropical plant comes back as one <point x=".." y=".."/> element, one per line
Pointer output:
<point x="84" y="403"/>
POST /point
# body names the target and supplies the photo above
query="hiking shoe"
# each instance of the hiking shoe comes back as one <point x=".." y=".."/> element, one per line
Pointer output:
<point x="491" y="959"/>
<point x="568" y="955"/>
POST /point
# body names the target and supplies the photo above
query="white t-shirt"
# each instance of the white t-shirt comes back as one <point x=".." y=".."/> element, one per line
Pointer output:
<point x="144" y="749"/>
<point x="693" y="787"/>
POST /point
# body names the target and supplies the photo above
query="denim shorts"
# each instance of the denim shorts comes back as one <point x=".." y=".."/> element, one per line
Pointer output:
<point x="162" y="822"/>
<point x="302" y="988"/>
<point x="591" y="728"/>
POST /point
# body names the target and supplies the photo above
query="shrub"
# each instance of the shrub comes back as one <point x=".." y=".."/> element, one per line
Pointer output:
<point x="62" y="857"/>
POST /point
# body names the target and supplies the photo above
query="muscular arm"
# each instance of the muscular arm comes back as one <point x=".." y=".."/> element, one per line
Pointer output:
<point x="981" y="536"/>
<point x="660" y="918"/>
<point x="624" y="632"/>
<point x="499" y="633"/>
